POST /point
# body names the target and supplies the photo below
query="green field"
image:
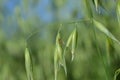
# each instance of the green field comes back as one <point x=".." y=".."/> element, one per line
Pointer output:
<point x="85" y="48"/>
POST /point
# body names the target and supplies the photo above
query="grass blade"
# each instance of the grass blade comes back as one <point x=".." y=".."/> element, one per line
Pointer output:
<point x="56" y="64"/>
<point x="96" y="4"/>
<point x="109" y="49"/>
<point x="118" y="11"/>
<point x="28" y="65"/>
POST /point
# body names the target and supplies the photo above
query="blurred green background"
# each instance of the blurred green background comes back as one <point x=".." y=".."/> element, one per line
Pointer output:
<point x="39" y="20"/>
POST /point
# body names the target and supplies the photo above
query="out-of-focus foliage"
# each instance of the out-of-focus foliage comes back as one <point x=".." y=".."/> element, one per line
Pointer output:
<point x="26" y="22"/>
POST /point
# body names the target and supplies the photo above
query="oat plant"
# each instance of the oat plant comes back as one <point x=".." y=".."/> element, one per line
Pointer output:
<point x="110" y="38"/>
<point x="60" y="50"/>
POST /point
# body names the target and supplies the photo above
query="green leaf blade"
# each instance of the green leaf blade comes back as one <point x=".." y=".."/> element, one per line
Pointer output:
<point x="28" y="65"/>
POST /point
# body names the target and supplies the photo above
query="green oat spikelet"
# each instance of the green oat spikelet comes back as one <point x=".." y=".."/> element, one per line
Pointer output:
<point x="59" y="58"/>
<point x="69" y="41"/>
<point x="74" y="42"/>
<point x="28" y="65"/>
<point x="102" y="28"/>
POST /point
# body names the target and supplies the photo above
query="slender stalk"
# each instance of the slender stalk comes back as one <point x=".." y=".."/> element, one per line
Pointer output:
<point x="99" y="53"/>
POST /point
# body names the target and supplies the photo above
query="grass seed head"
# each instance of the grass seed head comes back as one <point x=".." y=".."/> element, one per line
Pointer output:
<point x="103" y="29"/>
<point x="59" y="58"/>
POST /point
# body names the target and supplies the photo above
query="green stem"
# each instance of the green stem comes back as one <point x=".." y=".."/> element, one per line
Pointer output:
<point x="99" y="53"/>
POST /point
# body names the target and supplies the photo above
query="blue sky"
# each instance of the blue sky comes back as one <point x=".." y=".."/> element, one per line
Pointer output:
<point x="41" y="9"/>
